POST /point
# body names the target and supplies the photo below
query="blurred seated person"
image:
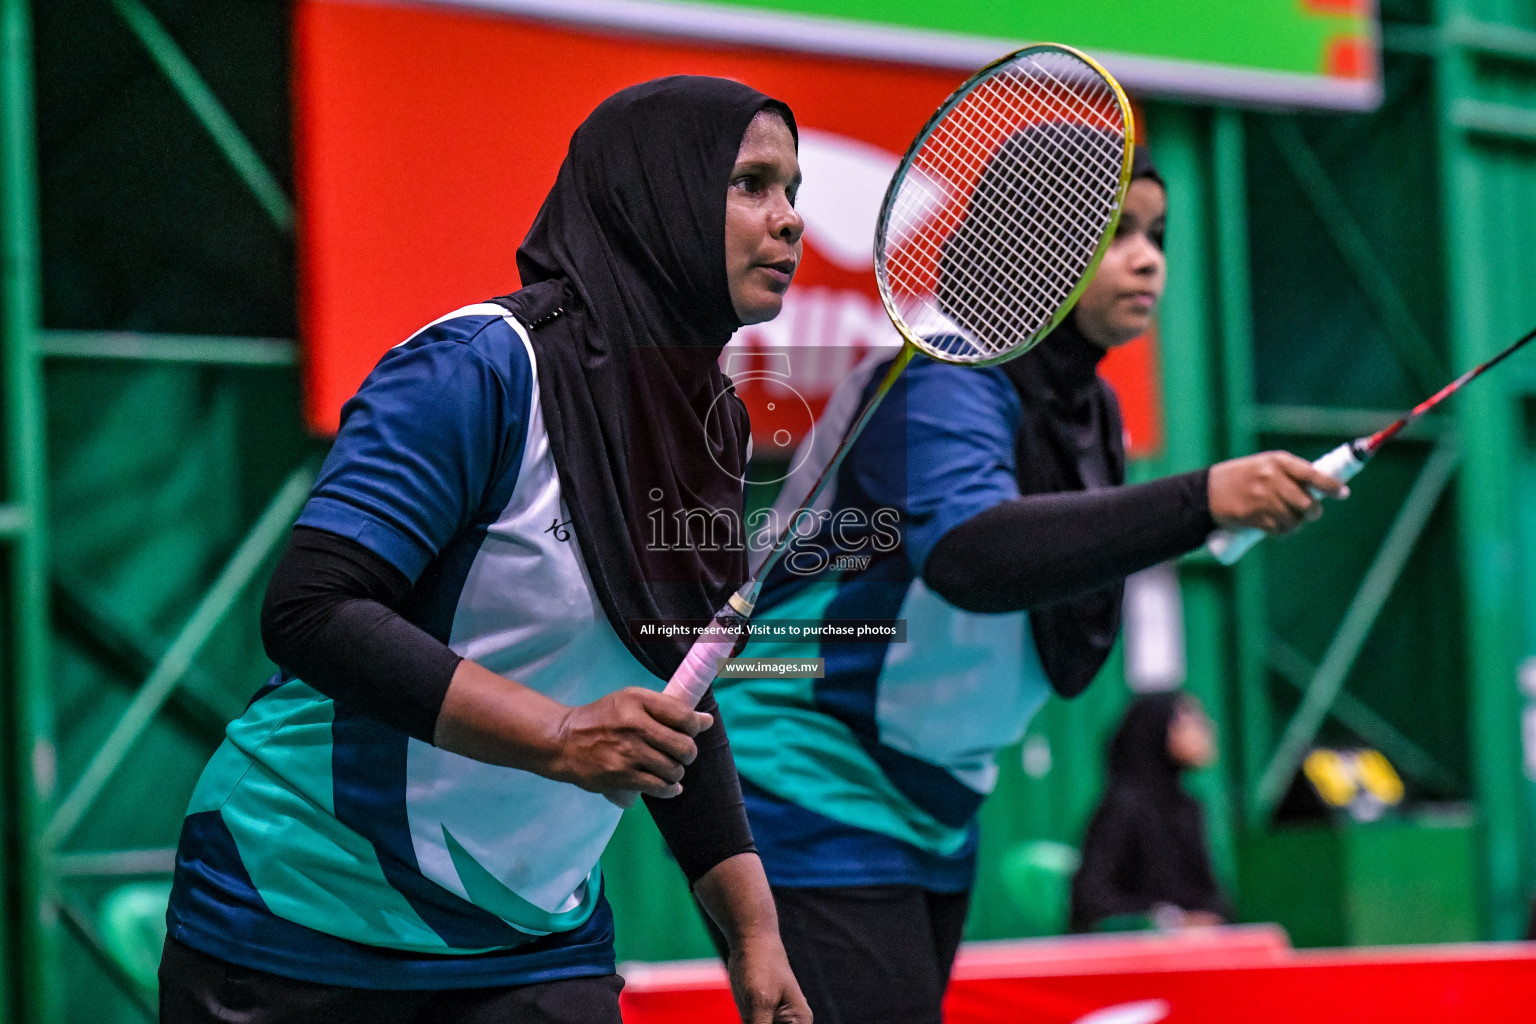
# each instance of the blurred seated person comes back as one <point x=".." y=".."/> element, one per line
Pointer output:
<point x="1145" y="860"/>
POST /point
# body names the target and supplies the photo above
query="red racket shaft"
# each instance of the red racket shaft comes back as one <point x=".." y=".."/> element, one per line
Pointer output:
<point x="1227" y="546"/>
<point x="1376" y="440"/>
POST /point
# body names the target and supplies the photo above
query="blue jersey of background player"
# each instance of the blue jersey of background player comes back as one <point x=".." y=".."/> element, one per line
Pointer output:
<point x="1015" y="534"/>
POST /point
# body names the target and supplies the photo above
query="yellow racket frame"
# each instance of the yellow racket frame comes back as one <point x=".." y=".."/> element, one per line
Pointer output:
<point x="913" y="343"/>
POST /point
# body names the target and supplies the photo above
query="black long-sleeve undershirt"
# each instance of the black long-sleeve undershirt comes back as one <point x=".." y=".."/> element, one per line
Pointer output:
<point x="707" y="824"/>
<point x="329" y="617"/>
<point x="1042" y="549"/>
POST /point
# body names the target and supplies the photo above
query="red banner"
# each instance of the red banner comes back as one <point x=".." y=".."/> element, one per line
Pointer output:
<point x="428" y="136"/>
<point x="1214" y="976"/>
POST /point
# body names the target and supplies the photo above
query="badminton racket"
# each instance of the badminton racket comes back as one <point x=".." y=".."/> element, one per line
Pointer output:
<point x="991" y="228"/>
<point x="1348" y="459"/>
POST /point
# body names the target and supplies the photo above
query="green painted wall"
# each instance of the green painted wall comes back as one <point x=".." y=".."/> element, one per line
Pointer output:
<point x="1384" y="883"/>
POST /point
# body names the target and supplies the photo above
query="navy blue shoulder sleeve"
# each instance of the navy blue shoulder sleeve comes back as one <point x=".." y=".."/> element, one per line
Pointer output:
<point x="430" y="443"/>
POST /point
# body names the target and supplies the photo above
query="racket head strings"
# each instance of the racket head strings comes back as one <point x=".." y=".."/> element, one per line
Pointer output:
<point x="1004" y="205"/>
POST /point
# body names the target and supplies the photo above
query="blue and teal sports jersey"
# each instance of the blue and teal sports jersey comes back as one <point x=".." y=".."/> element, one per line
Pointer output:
<point x="323" y="845"/>
<point x="873" y="774"/>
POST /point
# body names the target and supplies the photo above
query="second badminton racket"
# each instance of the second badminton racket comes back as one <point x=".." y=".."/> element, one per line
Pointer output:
<point x="1227" y="546"/>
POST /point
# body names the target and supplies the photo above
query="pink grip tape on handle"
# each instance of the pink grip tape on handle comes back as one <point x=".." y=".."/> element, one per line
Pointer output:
<point x="699" y="669"/>
<point x="693" y="677"/>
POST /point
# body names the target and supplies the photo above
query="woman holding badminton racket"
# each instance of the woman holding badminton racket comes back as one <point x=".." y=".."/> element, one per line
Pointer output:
<point x="1016" y="534"/>
<point x="405" y="824"/>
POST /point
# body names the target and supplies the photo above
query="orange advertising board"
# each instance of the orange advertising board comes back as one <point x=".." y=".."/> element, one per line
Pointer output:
<point x="428" y="136"/>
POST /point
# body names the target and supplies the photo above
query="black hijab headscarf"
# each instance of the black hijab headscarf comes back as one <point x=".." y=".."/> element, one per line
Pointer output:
<point x="1138" y="753"/>
<point x="1146" y="843"/>
<point x="628" y="305"/>
<point x="1072" y="438"/>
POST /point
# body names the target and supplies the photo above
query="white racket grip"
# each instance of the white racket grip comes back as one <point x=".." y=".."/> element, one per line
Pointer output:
<point x="1227" y="546"/>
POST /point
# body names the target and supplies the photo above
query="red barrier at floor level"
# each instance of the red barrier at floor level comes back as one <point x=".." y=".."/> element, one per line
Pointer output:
<point x="1244" y="975"/>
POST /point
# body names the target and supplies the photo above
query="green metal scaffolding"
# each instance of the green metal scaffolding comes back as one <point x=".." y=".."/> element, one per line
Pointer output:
<point x="48" y="920"/>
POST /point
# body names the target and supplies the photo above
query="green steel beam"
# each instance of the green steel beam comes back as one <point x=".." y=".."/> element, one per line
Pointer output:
<point x="1184" y="322"/>
<point x="1403" y="332"/>
<point x="1477" y="197"/>
<point x="29" y="989"/>
<point x="1478" y="38"/>
<point x="1495" y="120"/>
<point x="205" y="106"/>
<point x="1186" y="350"/>
<point x="78" y="921"/>
<point x="238" y="572"/>
<point x="213" y="350"/>
<point x="1234" y="293"/>
<point x="1332" y="423"/>
<point x="1357" y="716"/>
<point x="146" y="863"/>
<point x="1355" y="628"/>
<point x="1487" y="39"/>
<point x="1235" y="303"/>
<point x="14" y="522"/>
<point x="128" y="652"/>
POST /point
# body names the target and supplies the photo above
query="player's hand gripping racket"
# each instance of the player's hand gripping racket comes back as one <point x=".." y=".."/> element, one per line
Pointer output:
<point x="990" y="230"/>
<point x="1227" y="546"/>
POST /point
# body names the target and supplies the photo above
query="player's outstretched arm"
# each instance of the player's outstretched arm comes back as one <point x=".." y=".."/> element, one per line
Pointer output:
<point x="735" y="894"/>
<point x="1041" y="549"/>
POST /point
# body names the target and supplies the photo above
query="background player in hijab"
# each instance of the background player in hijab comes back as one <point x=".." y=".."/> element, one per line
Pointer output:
<point x="863" y="786"/>
<point x="1145" y="858"/>
<point x="406" y="823"/>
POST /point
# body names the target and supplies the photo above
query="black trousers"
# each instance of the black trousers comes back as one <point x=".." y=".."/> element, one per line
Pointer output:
<point x="869" y="954"/>
<point x="196" y="988"/>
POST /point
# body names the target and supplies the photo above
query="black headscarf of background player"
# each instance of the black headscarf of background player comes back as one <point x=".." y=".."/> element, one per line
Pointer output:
<point x="1072" y="438"/>
<point x="626" y="295"/>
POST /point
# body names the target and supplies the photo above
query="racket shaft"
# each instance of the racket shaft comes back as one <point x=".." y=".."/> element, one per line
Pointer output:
<point x="701" y="665"/>
<point x="829" y="471"/>
<point x="1227" y="546"/>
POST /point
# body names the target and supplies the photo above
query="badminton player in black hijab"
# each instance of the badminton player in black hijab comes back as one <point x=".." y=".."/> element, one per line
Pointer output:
<point x="406" y="823"/>
<point x="1017" y="531"/>
<point x="1145" y="855"/>
<point x="1090" y="533"/>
